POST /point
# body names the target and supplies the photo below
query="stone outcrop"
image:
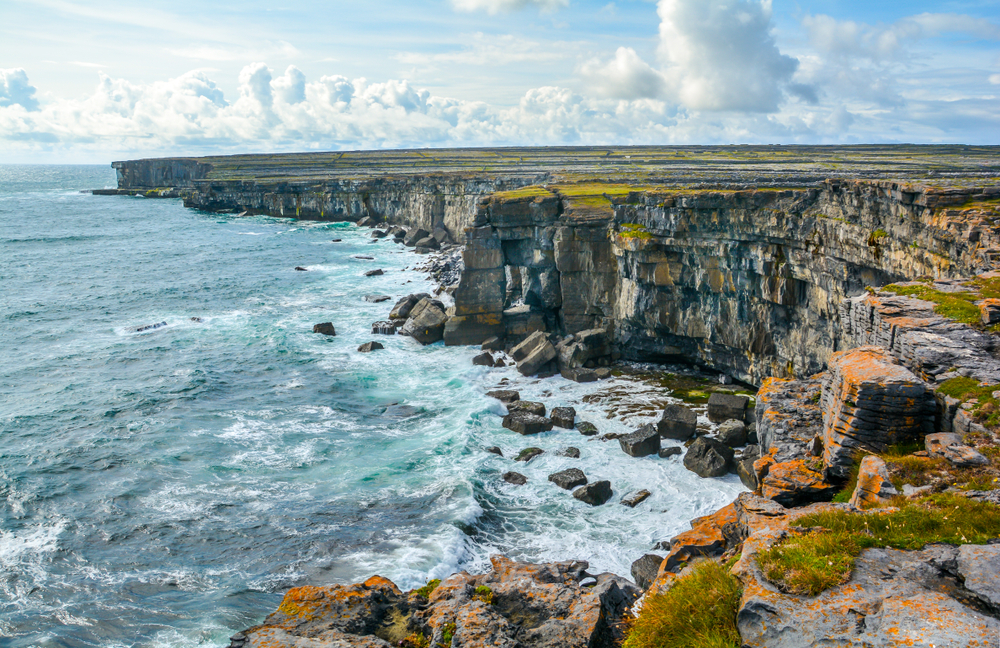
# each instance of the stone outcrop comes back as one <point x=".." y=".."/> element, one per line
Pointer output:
<point x="950" y="447"/>
<point x="426" y="322"/>
<point x="874" y="486"/>
<point x="677" y="422"/>
<point x="708" y="458"/>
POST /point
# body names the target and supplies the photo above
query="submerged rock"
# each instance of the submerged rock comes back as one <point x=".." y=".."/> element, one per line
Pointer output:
<point x="515" y="478"/>
<point x="528" y="454"/>
<point x="634" y="499"/>
<point x="368" y="347"/>
<point x="587" y="429"/>
<point x="375" y="273"/>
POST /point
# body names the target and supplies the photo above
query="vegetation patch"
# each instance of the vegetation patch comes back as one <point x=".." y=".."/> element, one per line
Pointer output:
<point x="985" y="406"/>
<point x="876" y="237"/>
<point x="810" y="562"/>
<point x="484" y="594"/>
<point x="416" y="640"/>
<point x="958" y="306"/>
<point x="634" y="231"/>
<point x="426" y="590"/>
<point x="534" y="191"/>
<point x="699" y="611"/>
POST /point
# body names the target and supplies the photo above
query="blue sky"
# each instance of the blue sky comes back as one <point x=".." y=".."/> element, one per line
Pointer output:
<point x="85" y="81"/>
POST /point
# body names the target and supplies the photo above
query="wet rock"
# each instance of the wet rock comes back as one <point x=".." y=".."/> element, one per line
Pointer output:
<point x="587" y="429"/>
<point x="414" y="235"/>
<point x="733" y="433"/>
<point x="426" y="322"/>
<point x="525" y="423"/>
<point x="950" y="447"/>
<point x="495" y="450"/>
<point x="153" y="327"/>
<point x="634" y="499"/>
<point x="643" y="442"/>
<point x="710" y="535"/>
<point x="377" y="299"/>
<point x="368" y="347"/>
<point x="874" y="487"/>
<point x="568" y="479"/>
<point x="583" y="348"/>
<point x="326" y="328"/>
<point x="602" y="373"/>
<point x="528" y="454"/>
<point x="532" y="354"/>
<point x="363" y="257"/>
<point x="744" y="467"/>
<point x="484" y="360"/>
<point x="672" y="451"/>
<point x="428" y="243"/>
<point x="594" y="494"/>
<point x="708" y="458"/>
<point x="504" y="395"/>
<point x="367" y="221"/>
<point x="336" y="240"/>
<point x="797" y="482"/>
<point x="722" y="407"/>
<point x="644" y="570"/>
<point x="403" y="307"/>
<point x="563" y="417"/>
<point x="579" y="375"/>
<point x="383" y="328"/>
<point x="377" y="234"/>
<point x="492" y="344"/>
<point x="515" y="478"/>
<point x="375" y="273"/>
<point x="752" y="437"/>
<point x="301" y="269"/>
<point x="531" y="407"/>
<point x="677" y="422"/>
<point x="571" y="452"/>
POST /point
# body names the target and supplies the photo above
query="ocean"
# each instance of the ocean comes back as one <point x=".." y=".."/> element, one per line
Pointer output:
<point x="165" y="487"/>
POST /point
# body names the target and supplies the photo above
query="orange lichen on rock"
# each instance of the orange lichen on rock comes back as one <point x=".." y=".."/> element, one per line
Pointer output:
<point x="795" y="482"/>
<point x="710" y="535"/>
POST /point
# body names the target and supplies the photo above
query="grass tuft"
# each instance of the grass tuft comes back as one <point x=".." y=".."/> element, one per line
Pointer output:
<point x="986" y="410"/>
<point x="426" y="590"/>
<point x="699" y="611"/>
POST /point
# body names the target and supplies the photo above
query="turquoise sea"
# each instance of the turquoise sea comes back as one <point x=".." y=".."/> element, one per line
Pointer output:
<point x="165" y="487"/>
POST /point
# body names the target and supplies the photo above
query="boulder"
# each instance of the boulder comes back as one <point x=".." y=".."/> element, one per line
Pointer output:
<point x="538" y="409"/>
<point x="378" y="272"/>
<point x="643" y="442"/>
<point x="403" y="307"/>
<point x="495" y="450"/>
<point x="504" y="395"/>
<point x="492" y="344"/>
<point x="484" y="360"/>
<point x="710" y="535"/>
<point x="579" y="375"/>
<point x="377" y="234"/>
<point x="429" y="243"/>
<point x="587" y="429"/>
<point x="744" y="467"/>
<point x="326" y="328"/>
<point x="874" y="487"/>
<point x="950" y="447"/>
<point x="571" y="452"/>
<point x="532" y="354"/>
<point x="563" y="417"/>
<point x="568" y="479"/>
<point x="677" y="422"/>
<point x="672" y="451"/>
<point x="644" y="570"/>
<point x="796" y="483"/>
<point x="414" y="235"/>
<point x="722" y="407"/>
<point x="989" y="311"/>
<point x="708" y="458"/>
<point x="634" y="499"/>
<point x="528" y="454"/>
<point x="426" y="322"/>
<point x="468" y="330"/>
<point x="383" y="328"/>
<point x="525" y="423"/>
<point x="515" y="478"/>
<point x="584" y="347"/>
<point x="530" y="344"/>
<point x="367" y="221"/>
<point x="594" y="494"/>
<point x="377" y="299"/>
<point x="368" y="347"/>
<point x="300" y="269"/>
<point x="733" y="433"/>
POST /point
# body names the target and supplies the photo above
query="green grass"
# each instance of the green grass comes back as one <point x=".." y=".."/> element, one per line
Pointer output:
<point x="483" y="593"/>
<point x="634" y="231"/>
<point x="426" y="590"/>
<point x="533" y="191"/>
<point x="957" y="306"/>
<point x="877" y="237"/>
<point x="987" y="408"/>
<point x="699" y="611"/>
<point x="811" y="562"/>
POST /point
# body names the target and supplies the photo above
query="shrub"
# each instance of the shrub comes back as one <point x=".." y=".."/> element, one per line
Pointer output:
<point x="484" y="594"/>
<point x="699" y="611"/>
<point x="426" y="590"/>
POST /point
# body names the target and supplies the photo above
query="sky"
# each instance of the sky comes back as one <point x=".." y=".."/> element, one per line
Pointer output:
<point x="89" y="82"/>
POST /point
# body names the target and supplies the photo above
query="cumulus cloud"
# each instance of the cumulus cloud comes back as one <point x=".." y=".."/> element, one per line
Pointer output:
<point x="15" y="89"/>
<point x="497" y="6"/>
<point x="626" y="76"/>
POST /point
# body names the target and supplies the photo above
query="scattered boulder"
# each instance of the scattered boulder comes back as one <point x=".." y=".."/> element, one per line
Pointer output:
<point x="645" y="569"/>
<point x="602" y="373"/>
<point x="797" y="482"/>
<point x="733" y="433"/>
<point x="582" y="348"/>
<point x="505" y="395"/>
<point x="414" y="235"/>
<point x="745" y="469"/>
<point x="874" y="487"/>
<point x="326" y="328"/>
<point x="708" y="458"/>
<point x="950" y="447"/>
<point x="428" y="243"/>
<point x="568" y="479"/>
<point x="336" y="240"/>
<point x="595" y="494"/>
<point x="525" y="423"/>
<point x="515" y="478"/>
<point x="377" y="234"/>
<point x="579" y="375"/>
<point x="363" y="257"/>
<point x="484" y="360"/>
<point x="643" y="442"/>
<point x="368" y="347"/>
<point x="634" y="499"/>
<point x="571" y="452"/>
<point x="495" y="450"/>
<point x="405" y="305"/>
<point x="563" y="417"/>
<point x="677" y="422"/>
<point x="301" y="269"/>
<point x="722" y="407"/>
<point x="375" y="273"/>
<point x="426" y="322"/>
<point x="367" y="221"/>
<point x="492" y="344"/>
<point x="672" y="451"/>
<point x="586" y="429"/>
<point x="377" y="299"/>
<point x="153" y="327"/>
<point x="534" y="353"/>
<point x="538" y="409"/>
<point x="528" y="454"/>
<point x="383" y="328"/>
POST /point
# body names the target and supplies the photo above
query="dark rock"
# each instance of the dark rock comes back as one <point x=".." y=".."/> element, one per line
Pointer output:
<point x="377" y="234"/>
<point x="505" y="395"/>
<point x="722" y="407"/>
<point x="677" y="422"/>
<point x="525" y="423"/>
<point x="426" y="322"/>
<point x="383" y="328"/>
<point x="403" y="307"/>
<point x="153" y="327"/>
<point x="563" y="417"/>
<point x="594" y="494"/>
<point x="402" y="411"/>
<point x="643" y="442"/>
<point x="744" y="467"/>
<point x="752" y="438"/>
<point x="533" y="354"/>
<point x="515" y="478"/>
<point x="377" y="299"/>
<point x="672" y="451"/>
<point x="586" y="428"/>
<point x="708" y="458"/>
<point x="336" y="240"/>
<point x="197" y="319"/>
<point x="645" y="570"/>
<point x="363" y="257"/>
<point x="538" y="409"/>
<point x="484" y="360"/>
<point x="568" y="479"/>
<point x="580" y="375"/>
<point x="492" y="344"/>
<point x="611" y="436"/>
<point x="301" y="269"/>
<point x="733" y="433"/>
<point x="414" y="235"/>
<point x="495" y="450"/>
<point x="428" y="243"/>
<point x="368" y="347"/>
<point x="602" y="373"/>
<point x="326" y="328"/>
<point x="634" y="499"/>
<point x="375" y="273"/>
<point x="528" y="454"/>
<point x="367" y="221"/>
<point x="571" y="452"/>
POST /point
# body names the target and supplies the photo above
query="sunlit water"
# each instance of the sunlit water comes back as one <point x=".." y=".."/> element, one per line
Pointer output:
<point x="164" y="488"/>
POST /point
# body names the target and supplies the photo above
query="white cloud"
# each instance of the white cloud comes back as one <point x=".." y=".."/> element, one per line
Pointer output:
<point x="995" y="79"/>
<point x="497" y="6"/>
<point x="15" y="89"/>
<point x="625" y="77"/>
<point x="492" y="49"/>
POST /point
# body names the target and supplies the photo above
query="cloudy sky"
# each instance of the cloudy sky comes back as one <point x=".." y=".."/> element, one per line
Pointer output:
<point x="87" y="81"/>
